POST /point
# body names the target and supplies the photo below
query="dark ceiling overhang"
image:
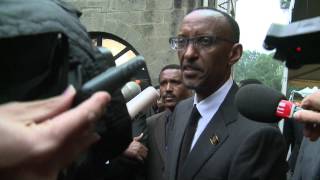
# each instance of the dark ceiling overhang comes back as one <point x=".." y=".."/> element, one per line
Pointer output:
<point x="307" y="75"/>
<point x="304" y="9"/>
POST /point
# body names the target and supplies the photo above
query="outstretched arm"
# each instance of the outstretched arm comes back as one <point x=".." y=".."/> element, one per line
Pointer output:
<point x="39" y="138"/>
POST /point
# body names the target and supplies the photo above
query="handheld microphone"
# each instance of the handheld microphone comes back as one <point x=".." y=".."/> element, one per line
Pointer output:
<point x="130" y="90"/>
<point x="286" y="109"/>
<point x="260" y="103"/>
<point x="110" y="80"/>
<point x="142" y="101"/>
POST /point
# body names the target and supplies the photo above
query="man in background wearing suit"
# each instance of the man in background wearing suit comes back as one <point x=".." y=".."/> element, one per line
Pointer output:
<point x="224" y="144"/>
<point x="172" y="91"/>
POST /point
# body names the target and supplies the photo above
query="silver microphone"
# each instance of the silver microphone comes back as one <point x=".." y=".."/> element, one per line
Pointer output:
<point x="130" y="90"/>
<point x="142" y="101"/>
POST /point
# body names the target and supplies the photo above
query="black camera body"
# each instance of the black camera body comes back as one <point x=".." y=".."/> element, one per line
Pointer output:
<point x="297" y="43"/>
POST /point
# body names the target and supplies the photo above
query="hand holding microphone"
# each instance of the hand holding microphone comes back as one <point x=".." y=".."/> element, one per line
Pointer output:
<point x="263" y="104"/>
<point x="310" y="117"/>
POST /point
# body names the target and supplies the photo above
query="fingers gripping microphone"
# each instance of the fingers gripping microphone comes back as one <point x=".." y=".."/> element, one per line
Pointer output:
<point x="142" y="101"/>
<point x="286" y="109"/>
<point x="260" y="103"/>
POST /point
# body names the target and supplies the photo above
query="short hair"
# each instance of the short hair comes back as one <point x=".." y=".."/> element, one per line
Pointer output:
<point x="232" y="22"/>
<point x="249" y="81"/>
<point x="169" y="66"/>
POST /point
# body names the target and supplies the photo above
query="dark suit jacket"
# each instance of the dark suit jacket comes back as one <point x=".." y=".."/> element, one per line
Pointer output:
<point x="157" y="153"/>
<point x="293" y="134"/>
<point x="308" y="161"/>
<point x="243" y="149"/>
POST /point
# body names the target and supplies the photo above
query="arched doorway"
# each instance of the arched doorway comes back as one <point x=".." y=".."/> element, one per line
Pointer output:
<point x="122" y="52"/>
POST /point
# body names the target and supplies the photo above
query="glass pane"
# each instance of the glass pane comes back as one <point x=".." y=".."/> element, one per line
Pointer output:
<point x="114" y="46"/>
<point x="94" y="42"/>
<point x="125" y="57"/>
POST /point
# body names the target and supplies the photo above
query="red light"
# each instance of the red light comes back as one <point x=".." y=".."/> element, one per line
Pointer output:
<point x="298" y="49"/>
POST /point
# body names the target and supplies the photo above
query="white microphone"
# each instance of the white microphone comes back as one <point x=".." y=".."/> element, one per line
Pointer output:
<point x="130" y="90"/>
<point x="142" y="101"/>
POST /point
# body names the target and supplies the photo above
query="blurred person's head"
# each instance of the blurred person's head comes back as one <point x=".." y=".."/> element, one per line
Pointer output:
<point x="249" y="81"/>
<point x="172" y="90"/>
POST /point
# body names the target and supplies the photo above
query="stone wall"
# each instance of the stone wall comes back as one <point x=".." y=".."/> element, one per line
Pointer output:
<point x="145" y="24"/>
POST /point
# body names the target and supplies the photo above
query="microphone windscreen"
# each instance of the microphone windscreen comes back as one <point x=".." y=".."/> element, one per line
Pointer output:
<point x="258" y="103"/>
<point x="142" y="101"/>
<point x="130" y="90"/>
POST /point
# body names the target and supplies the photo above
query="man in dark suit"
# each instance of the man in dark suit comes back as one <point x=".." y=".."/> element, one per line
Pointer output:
<point x="172" y="91"/>
<point x="224" y="144"/>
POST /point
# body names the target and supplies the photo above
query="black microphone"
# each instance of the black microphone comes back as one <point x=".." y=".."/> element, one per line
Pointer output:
<point x="263" y="104"/>
<point x="110" y="80"/>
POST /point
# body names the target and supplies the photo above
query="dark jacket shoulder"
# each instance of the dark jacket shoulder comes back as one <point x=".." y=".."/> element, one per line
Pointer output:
<point x="157" y="116"/>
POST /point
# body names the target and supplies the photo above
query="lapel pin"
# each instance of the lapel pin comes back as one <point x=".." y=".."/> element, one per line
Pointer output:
<point x="214" y="140"/>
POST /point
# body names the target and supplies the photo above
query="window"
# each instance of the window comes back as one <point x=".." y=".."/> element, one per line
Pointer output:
<point x="122" y="52"/>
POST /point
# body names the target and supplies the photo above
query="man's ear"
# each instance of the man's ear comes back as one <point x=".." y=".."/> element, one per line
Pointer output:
<point x="235" y="53"/>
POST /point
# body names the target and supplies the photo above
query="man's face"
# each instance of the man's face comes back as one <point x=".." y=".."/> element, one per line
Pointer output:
<point x="205" y="69"/>
<point x="172" y="89"/>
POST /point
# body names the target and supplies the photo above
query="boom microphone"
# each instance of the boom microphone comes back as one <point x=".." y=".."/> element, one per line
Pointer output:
<point x="263" y="104"/>
<point x="142" y="101"/>
<point x="110" y="80"/>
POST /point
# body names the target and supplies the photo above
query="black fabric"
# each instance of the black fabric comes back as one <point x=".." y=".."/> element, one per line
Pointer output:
<point x="188" y="137"/>
<point x="115" y="131"/>
<point x="126" y="168"/>
<point x="168" y="126"/>
<point x="33" y="67"/>
<point x="33" y="17"/>
<point x="293" y="134"/>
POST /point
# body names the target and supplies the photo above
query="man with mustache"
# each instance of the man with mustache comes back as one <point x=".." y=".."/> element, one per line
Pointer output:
<point x="217" y="142"/>
<point x="172" y="90"/>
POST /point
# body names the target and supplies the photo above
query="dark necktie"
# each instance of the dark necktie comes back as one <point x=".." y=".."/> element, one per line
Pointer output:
<point x="188" y="137"/>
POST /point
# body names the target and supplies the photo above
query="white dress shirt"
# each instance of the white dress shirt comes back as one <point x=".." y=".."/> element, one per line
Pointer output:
<point x="208" y="108"/>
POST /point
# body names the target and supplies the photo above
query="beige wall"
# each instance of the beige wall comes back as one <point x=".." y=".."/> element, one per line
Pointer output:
<point x="145" y="24"/>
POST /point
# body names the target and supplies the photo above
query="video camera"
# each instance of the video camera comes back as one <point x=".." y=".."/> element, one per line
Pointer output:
<point x="297" y="43"/>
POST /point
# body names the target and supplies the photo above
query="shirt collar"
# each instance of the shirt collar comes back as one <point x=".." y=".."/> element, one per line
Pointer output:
<point x="206" y="106"/>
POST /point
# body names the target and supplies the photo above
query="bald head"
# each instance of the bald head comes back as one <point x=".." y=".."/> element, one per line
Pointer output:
<point x="221" y="18"/>
<point x="208" y="49"/>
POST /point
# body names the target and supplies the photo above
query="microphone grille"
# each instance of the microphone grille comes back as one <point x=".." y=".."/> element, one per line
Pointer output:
<point x="258" y="102"/>
<point x="130" y="90"/>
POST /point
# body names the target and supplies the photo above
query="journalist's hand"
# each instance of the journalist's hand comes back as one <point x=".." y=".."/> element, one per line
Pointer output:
<point x="39" y="138"/>
<point x="310" y="116"/>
